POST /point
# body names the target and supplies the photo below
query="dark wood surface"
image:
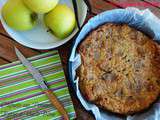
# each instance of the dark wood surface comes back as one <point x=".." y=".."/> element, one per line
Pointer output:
<point x="7" y="54"/>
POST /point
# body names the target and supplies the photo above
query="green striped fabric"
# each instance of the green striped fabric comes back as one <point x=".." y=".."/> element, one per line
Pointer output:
<point x="21" y="97"/>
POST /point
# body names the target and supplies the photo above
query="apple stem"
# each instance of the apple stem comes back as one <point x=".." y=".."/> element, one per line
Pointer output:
<point x="34" y="16"/>
<point x="50" y="30"/>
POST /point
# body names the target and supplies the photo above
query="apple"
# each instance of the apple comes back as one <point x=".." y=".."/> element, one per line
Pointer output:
<point x="41" y="6"/>
<point x="18" y="16"/>
<point x="60" y="21"/>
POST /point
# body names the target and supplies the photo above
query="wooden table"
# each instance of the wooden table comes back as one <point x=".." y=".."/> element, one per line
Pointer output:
<point x="7" y="54"/>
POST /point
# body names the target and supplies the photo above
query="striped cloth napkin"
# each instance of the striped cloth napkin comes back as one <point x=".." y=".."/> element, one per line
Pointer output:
<point x="22" y="99"/>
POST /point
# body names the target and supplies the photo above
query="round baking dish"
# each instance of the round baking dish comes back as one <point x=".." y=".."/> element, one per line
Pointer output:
<point x="143" y="20"/>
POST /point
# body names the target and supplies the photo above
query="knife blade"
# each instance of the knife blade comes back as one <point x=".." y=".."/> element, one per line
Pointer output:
<point x="35" y="73"/>
<point x="39" y="78"/>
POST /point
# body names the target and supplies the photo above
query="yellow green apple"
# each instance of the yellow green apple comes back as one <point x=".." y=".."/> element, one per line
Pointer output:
<point x="61" y="21"/>
<point x="18" y="16"/>
<point x="41" y="6"/>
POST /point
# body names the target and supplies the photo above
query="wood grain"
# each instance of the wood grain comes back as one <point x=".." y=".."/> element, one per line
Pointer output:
<point x="3" y="61"/>
<point x="99" y="6"/>
<point x="7" y="49"/>
<point x="137" y="3"/>
<point x="7" y="53"/>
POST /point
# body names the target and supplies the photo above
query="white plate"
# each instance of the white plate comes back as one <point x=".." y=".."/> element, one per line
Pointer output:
<point x="38" y="37"/>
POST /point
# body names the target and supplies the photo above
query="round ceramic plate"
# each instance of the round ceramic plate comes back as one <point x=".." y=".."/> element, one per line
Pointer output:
<point x="39" y="38"/>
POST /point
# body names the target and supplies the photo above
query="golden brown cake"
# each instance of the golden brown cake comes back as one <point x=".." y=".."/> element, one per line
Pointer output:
<point x="120" y="69"/>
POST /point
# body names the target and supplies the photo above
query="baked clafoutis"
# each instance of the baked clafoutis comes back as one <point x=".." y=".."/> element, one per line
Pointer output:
<point x="120" y="69"/>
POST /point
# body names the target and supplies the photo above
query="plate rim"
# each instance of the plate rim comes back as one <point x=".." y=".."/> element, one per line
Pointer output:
<point x="55" y="44"/>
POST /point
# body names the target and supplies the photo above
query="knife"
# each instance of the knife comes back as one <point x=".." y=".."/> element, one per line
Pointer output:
<point x="39" y="78"/>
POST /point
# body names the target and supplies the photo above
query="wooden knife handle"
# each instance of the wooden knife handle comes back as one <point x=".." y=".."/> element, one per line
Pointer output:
<point x="55" y="102"/>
